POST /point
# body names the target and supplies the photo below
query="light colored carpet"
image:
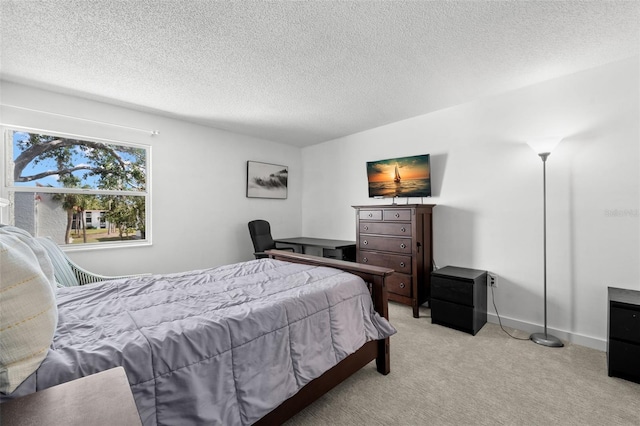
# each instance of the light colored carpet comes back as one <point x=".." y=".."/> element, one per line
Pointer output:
<point x="441" y="376"/>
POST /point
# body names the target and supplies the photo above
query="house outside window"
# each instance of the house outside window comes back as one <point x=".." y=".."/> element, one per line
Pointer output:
<point x="83" y="192"/>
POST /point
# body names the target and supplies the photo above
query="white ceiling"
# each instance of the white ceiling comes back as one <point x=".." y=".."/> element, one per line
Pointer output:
<point x="305" y="72"/>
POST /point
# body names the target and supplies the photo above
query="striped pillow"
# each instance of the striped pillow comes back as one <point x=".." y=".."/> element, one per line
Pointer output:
<point x="28" y="306"/>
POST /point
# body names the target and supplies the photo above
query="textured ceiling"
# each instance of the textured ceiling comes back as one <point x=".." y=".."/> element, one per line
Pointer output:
<point x="305" y="72"/>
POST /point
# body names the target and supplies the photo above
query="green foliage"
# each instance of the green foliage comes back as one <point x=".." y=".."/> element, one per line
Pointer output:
<point x="125" y="213"/>
<point x="77" y="162"/>
<point x="115" y="167"/>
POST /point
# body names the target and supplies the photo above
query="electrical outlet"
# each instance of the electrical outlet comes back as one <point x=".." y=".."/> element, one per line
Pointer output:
<point x="492" y="280"/>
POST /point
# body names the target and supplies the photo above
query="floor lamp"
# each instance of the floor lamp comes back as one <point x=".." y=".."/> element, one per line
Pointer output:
<point x="543" y="148"/>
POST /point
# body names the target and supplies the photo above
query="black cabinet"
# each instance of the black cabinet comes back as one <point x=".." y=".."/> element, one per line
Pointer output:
<point x="459" y="298"/>
<point x="623" y="334"/>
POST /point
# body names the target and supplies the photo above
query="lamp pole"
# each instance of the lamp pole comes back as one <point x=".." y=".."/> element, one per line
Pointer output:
<point x="545" y="339"/>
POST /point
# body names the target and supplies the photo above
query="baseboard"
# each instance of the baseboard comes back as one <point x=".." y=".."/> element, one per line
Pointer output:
<point x="578" y="339"/>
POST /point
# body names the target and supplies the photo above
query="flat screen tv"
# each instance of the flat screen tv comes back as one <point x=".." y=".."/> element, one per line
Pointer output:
<point x="400" y="177"/>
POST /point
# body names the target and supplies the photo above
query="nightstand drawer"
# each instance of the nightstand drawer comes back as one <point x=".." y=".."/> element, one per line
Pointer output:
<point x="624" y="323"/>
<point x="452" y="290"/>
<point x="396" y="214"/>
<point x="624" y="360"/>
<point x="370" y="214"/>
<point x="399" y="284"/>
<point x="396" y="245"/>
<point x="452" y="315"/>
<point x="398" y="263"/>
<point x="385" y="228"/>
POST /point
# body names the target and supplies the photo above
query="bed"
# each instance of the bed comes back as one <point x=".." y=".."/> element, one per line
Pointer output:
<point x="249" y="343"/>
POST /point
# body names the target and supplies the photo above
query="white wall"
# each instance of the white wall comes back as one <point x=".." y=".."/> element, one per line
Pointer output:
<point x="487" y="184"/>
<point x="199" y="208"/>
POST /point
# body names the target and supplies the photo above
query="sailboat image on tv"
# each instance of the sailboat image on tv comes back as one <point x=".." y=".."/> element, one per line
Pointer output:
<point x="396" y="178"/>
<point x="400" y="177"/>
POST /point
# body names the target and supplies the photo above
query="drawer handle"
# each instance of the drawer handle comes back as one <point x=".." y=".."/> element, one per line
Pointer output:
<point x="403" y="229"/>
<point x="402" y="285"/>
<point x="365" y="260"/>
<point x="402" y="264"/>
<point x="366" y="228"/>
<point x="403" y="246"/>
<point x="370" y="214"/>
<point x="365" y="242"/>
<point x="397" y="215"/>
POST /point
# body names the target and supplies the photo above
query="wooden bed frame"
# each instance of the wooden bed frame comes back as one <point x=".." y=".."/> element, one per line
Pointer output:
<point x="378" y="349"/>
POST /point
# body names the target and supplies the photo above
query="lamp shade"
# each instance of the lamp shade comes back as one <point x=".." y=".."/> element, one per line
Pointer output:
<point x="544" y="145"/>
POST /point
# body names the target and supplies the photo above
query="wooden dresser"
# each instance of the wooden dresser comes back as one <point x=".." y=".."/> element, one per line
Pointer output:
<point x="398" y="237"/>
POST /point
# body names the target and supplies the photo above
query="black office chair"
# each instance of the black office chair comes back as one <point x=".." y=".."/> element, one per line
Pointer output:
<point x="260" y="232"/>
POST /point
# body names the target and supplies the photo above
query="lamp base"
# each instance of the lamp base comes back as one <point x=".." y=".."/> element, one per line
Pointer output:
<point x="546" y="340"/>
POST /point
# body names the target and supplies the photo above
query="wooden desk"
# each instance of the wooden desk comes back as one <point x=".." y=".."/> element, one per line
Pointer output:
<point x="100" y="399"/>
<point x="334" y="249"/>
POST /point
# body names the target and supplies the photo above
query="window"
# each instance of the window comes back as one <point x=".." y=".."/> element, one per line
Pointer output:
<point x="58" y="183"/>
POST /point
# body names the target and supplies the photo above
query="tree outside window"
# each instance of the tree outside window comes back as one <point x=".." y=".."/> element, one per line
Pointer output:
<point x="59" y="184"/>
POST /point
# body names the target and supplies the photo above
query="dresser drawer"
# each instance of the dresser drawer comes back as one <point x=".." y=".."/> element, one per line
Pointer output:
<point x="396" y="262"/>
<point x="452" y="290"/>
<point x="396" y="245"/>
<point x="396" y="214"/>
<point x="399" y="284"/>
<point x="370" y="214"/>
<point x="624" y="323"/>
<point x="385" y="228"/>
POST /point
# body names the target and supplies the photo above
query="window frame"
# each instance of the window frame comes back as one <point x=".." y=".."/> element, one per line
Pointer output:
<point x="7" y="191"/>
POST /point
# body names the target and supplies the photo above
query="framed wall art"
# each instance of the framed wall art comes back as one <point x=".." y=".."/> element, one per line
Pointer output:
<point x="266" y="180"/>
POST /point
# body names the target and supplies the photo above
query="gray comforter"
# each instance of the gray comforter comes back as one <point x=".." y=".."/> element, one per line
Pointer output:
<point x="217" y="346"/>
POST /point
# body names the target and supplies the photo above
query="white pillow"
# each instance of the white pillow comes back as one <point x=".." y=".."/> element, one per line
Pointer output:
<point x="28" y="311"/>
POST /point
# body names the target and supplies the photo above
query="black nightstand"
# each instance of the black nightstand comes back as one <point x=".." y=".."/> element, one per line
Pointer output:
<point x="623" y="336"/>
<point x="459" y="298"/>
